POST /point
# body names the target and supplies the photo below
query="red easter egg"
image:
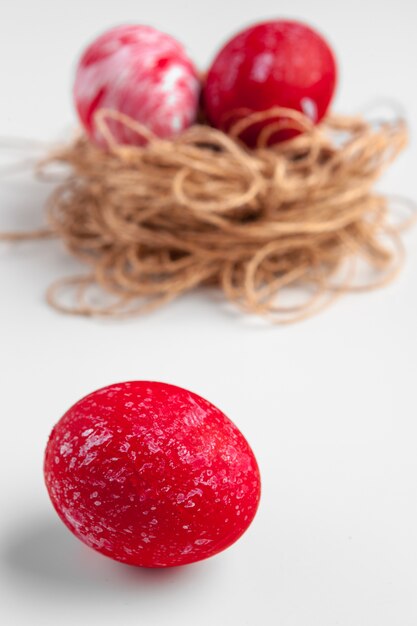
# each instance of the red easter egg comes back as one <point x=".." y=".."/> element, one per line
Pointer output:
<point x="274" y="64"/>
<point x="151" y="475"/>
<point x="139" y="72"/>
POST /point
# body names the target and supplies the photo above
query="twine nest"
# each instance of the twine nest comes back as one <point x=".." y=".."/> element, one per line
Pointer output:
<point x="158" y="220"/>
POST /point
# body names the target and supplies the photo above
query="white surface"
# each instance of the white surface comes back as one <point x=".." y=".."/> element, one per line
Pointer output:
<point x="329" y="406"/>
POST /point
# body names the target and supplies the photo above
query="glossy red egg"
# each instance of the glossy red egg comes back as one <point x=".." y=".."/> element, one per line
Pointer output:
<point x="139" y="72"/>
<point x="151" y="475"/>
<point x="274" y="64"/>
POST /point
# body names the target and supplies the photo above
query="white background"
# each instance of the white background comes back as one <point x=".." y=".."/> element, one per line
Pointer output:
<point x="329" y="405"/>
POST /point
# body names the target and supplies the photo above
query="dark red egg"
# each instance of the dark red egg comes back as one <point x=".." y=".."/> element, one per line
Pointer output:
<point x="139" y="72"/>
<point x="274" y="64"/>
<point x="151" y="475"/>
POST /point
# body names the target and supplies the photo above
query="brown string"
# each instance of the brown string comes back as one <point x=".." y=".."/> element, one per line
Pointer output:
<point x="156" y="221"/>
<point x="27" y="235"/>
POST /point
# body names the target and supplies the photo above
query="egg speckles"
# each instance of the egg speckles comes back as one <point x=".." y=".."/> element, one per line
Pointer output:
<point x="151" y="475"/>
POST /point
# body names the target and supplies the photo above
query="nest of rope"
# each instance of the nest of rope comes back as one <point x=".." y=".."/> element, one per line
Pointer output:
<point x="281" y="230"/>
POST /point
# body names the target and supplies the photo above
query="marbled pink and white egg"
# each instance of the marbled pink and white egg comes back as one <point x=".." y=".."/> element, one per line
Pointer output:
<point x="139" y="72"/>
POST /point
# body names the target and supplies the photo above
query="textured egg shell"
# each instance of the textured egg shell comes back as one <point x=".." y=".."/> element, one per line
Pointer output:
<point x="151" y="474"/>
<point x="274" y="64"/>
